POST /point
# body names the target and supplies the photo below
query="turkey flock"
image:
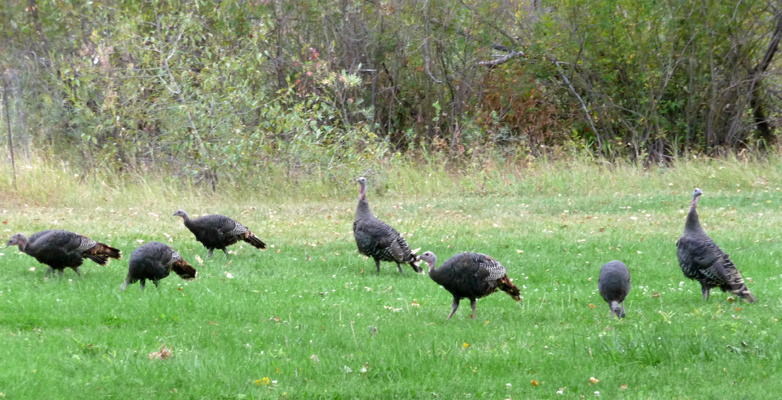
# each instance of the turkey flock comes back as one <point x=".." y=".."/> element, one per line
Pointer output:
<point x="465" y="275"/>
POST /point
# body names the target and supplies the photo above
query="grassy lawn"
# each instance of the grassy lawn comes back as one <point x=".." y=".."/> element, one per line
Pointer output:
<point x="308" y="318"/>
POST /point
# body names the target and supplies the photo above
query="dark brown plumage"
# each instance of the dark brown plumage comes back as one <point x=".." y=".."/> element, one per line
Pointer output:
<point x="62" y="249"/>
<point x="702" y="260"/>
<point x="471" y="276"/>
<point x="219" y="232"/>
<point x="379" y="240"/>
<point x="155" y="261"/>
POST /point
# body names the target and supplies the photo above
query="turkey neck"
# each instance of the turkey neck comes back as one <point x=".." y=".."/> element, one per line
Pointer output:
<point x="363" y="211"/>
<point x="188" y="221"/>
<point x="432" y="270"/>
<point x="23" y="244"/>
<point x="693" y="224"/>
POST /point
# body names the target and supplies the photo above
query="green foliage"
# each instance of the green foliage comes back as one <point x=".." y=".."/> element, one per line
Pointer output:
<point x="206" y="92"/>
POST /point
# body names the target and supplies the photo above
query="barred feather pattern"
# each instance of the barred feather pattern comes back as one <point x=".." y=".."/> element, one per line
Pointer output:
<point x="702" y="260"/>
<point x="85" y="244"/>
<point x="60" y="249"/>
<point x="496" y="270"/>
<point x="471" y="276"/>
<point x="174" y="258"/>
<point x="238" y="229"/>
<point x="218" y="231"/>
<point x="376" y="239"/>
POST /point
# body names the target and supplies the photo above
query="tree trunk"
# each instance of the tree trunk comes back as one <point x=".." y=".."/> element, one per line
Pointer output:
<point x="756" y="101"/>
<point x="8" y="121"/>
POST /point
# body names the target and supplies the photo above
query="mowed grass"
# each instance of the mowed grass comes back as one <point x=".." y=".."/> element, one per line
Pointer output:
<point x="308" y="318"/>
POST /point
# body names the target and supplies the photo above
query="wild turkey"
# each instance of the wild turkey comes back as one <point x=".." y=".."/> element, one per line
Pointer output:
<point x="62" y="249"/>
<point x="219" y="232"/>
<point x="379" y="240"/>
<point x="702" y="260"/>
<point x="154" y="261"/>
<point x="472" y="276"/>
<point x="614" y="284"/>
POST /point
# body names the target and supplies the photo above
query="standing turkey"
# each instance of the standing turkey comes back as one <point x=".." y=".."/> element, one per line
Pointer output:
<point x="379" y="240"/>
<point x="614" y="284"/>
<point x="62" y="249"/>
<point x="154" y="261"/>
<point x="219" y="232"/>
<point x="702" y="260"/>
<point x="472" y="276"/>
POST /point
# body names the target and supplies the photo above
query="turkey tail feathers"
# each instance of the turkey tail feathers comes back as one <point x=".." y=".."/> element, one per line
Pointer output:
<point x="416" y="261"/>
<point x="101" y="253"/>
<point x="510" y="288"/>
<point x="254" y="240"/>
<point x="184" y="270"/>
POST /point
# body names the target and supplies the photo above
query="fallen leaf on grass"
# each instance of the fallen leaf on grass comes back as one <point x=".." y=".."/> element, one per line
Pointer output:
<point x="164" y="353"/>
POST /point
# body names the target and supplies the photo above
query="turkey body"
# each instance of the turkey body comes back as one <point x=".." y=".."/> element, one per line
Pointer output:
<point x="470" y="276"/>
<point x="61" y="249"/>
<point x="614" y="285"/>
<point x="377" y="239"/>
<point x="702" y="260"/>
<point x="219" y="232"/>
<point x="155" y="261"/>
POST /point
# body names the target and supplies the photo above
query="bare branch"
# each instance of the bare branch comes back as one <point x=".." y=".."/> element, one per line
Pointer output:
<point x="503" y="59"/>
<point x="580" y="100"/>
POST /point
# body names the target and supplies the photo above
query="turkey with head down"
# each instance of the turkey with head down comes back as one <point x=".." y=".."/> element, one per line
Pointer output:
<point x="219" y="232"/>
<point x="63" y="249"/>
<point x="155" y="261"/>
<point x="379" y="240"/>
<point x="702" y="260"/>
<point x="614" y="285"/>
<point x="471" y="276"/>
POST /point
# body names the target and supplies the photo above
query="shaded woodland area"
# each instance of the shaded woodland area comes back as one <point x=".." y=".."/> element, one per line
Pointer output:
<point x="200" y="87"/>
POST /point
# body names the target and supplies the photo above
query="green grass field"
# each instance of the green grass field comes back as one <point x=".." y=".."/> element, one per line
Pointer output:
<point x="308" y="318"/>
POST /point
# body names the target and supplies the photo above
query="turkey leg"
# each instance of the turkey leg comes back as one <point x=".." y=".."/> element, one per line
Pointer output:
<point x="48" y="272"/>
<point x="226" y="253"/>
<point x="472" y="304"/>
<point x="454" y="306"/>
<point x="209" y="254"/>
<point x="377" y="264"/>
<point x="400" y="268"/>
